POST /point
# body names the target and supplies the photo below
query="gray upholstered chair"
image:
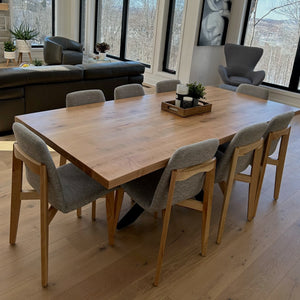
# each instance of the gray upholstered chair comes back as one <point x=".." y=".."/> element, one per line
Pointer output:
<point x="128" y="91"/>
<point x="241" y="61"/>
<point x="178" y="183"/>
<point x="62" y="51"/>
<point x="65" y="188"/>
<point x="167" y="85"/>
<point x="253" y="90"/>
<point x="81" y="98"/>
<point x="278" y="131"/>
<point x="84" y="97"/>
<point x="245" y="149"/>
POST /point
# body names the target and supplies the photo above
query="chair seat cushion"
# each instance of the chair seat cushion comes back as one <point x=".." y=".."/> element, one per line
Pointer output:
<point x="79" y="189"/>
<point x="142" y="189"/>
<point x="239" y="79"/>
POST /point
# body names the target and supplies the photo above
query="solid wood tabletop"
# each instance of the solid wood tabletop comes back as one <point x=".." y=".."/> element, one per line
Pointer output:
<point x="117" y="141"/>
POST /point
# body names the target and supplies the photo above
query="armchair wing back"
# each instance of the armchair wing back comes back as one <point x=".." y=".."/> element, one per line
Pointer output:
<point x="241" y="61"/>
<point x="59" y="50"/>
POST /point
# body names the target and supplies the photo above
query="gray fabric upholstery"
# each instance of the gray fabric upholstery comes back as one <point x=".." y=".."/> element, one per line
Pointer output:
<point x="151" y="191"/>
<point x="128" y="90"/>
<point x="69" y="188"/>
<point x="278" y="123"/>
<point x="228" y="87"/>
<point x="84" y="97"/>
<point x="253" y="90"/>
<point x="166" y="85"/>
<point x="241" y="61"/>
<point x="59" y="50"/>
<point x="243" y="137"/>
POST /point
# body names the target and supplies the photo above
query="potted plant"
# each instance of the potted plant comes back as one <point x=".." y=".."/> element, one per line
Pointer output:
<point x="24" y="34"/>
<point x="102" y="48"/>
<point x="9" y="51"/>
<point x="196" y="91"/>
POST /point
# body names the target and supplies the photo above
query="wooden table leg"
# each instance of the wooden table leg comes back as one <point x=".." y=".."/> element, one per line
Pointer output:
<point x="29" y="54"/>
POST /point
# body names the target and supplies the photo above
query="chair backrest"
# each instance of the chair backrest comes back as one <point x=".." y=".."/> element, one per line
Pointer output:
<point x="167" y="85"/>
<point x="243" y="137"/>
<point x="278" y="123"/>
<point x="128" y="90"/>
<point x="242" y="57"/>
<point x="66" y="43"/>
<point x="37" y="149"/>
<point x="184" y="157"/>
<point x="84" y="97"/>
<point x="253" y="90"/>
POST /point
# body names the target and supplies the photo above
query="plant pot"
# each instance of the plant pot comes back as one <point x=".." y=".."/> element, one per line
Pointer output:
<point x="102" y="56"/>
<point x="23" y="46"/>
<point x="10" y="55"/>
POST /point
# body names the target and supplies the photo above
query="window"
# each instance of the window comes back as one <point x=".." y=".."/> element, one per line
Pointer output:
<point x="275" y="27"/>
<point x="128" y="27"/>
<point x="82" y="21"/>
<point x="173" y="36"/>
<point x="38" y="14"/>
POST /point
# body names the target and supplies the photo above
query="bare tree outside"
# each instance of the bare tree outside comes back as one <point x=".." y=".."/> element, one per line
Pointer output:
<point x="35" y="13"/>
<point x="275" y="27"/>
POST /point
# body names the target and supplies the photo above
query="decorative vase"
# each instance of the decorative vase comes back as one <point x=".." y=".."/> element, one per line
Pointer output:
<point x="23" y="46"/>
<point x="102" y="55"/>
<point x="10" y="55"/>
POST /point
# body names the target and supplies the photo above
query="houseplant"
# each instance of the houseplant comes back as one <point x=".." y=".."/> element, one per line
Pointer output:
<point x="102" y="48"/>
<point x="9" y="50"/>
<point x="196" y="91"/>
<point x="23" y="35"/>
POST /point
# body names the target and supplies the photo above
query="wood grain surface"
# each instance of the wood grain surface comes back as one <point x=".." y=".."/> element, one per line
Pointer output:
<point x="117" y="141"/>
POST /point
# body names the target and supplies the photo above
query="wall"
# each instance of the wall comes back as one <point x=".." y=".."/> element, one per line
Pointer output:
<point x="4" y="30"/>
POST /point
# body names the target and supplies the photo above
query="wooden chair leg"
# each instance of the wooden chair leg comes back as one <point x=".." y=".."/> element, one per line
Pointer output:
<point x="16" y="188"/>
<point x="62" y="160"/>
<point x="79" y="212"/>
<point x="253" y="185"/>
<point x="94" y="210"/>
<point x="110" y="217"/>
<point x="30" y="58"/>
<point x="280" y="164"/>
<point x="44" y="226"/>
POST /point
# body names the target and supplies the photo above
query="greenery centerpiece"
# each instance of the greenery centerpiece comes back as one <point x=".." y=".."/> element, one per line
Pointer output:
<point x="9" y="50"/>
<point x="102" y="48"/>
<point x="23" y="35"/>
<point x="196" y="91"/>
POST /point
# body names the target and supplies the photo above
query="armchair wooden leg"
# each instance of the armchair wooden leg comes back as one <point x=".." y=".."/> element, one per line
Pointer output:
<point x="94" y="210"/>
<point x="16" y="188"/>
<point x="44" y="227"/>
<point x="110" y="217"/>
<point x="79" y="212"/>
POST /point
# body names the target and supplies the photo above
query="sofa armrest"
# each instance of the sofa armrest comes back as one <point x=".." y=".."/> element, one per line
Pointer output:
<point x="223" y="73"/>
<point x="52" y="52"/>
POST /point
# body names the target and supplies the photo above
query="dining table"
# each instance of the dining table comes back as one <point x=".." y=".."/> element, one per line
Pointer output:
<point x="117" y="141"/>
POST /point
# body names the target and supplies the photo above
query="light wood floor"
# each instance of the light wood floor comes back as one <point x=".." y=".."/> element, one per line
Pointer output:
<point x="257" y="260"/>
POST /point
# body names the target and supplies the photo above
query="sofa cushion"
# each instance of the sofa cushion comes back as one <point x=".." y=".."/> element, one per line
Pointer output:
<point x="11" y="93"/>
<point x="110" y="70"/>
<point x="32" y="75"/>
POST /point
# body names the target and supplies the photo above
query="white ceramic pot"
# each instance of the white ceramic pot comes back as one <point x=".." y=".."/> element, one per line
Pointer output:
<point x="10" y="55"/>
<point x="23" y="46"/>
<point x="102" y="56"/>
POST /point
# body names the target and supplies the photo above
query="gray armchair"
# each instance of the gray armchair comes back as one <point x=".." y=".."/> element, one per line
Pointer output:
<point x="241" y="61"/>
<point x="59" y="50"/>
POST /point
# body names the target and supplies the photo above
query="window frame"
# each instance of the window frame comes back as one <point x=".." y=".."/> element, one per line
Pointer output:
<point x="295" y="75"/>
<point x="124" y="23"/>
<point x="81" y="12"/>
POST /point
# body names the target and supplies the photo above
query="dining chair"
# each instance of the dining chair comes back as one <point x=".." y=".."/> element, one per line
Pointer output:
<point x="278" y="132"/>
<point x="128" y="91"/>
<point x="64" y="189"/>
<point x="253" y="90"/>
<point x="84" y="97"/>
<point x="81" y="98"/>
<point x="167" y="85"/>
<point x="245" y="149"/>
<point x="190" y="169"/>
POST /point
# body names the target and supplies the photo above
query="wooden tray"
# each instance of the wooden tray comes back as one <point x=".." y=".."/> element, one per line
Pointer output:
<point x="169" y="106"/>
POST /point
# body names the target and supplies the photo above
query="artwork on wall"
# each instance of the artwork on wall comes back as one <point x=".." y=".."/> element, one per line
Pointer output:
<point x="214" y="22"/>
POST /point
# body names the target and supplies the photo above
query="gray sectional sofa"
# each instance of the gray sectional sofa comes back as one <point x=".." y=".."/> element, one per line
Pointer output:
<point x="26" y="90"/>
